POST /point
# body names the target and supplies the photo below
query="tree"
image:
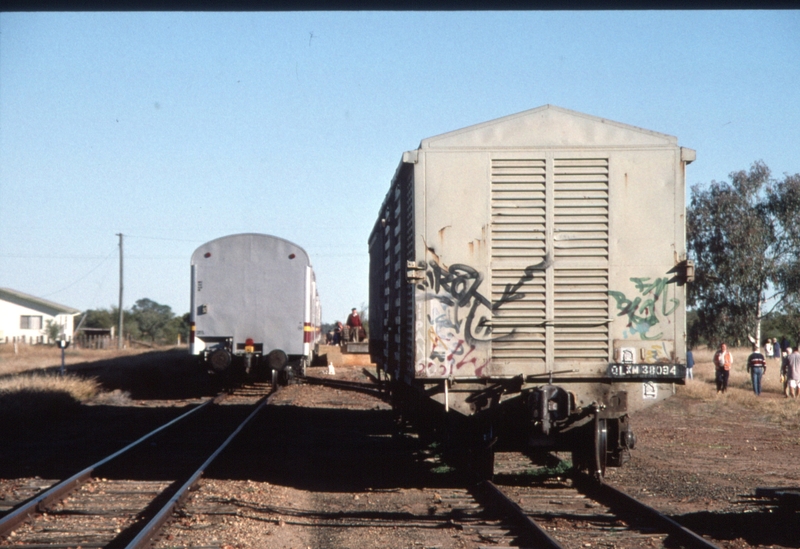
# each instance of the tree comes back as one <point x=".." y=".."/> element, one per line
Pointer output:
<point x="744" y="244"/>
<point x="784" y="205"/>
<point x="177" y="326"/>
<point x="145" y="319"/>
<point x="100" y="318"/>
<point x="54" y="330"/>
<point x="109" y="319"/>
<point x="151" y="318"/>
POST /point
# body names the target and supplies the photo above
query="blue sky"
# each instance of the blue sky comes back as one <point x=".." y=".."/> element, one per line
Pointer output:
<point x="178" y="128"/>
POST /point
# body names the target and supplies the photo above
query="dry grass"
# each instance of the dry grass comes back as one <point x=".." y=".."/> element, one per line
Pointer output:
<point x="26" y="358"/>
<point x="17" y="366"/>
<point x="771" y="403"/>
<point x="31" y="387"/>
<point x="32" y="398"/>
<point x="80" y="389"/>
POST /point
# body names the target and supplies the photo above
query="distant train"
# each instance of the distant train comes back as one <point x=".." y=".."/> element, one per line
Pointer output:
<point x="255" y="309"/>
<point x="527" y="279"/>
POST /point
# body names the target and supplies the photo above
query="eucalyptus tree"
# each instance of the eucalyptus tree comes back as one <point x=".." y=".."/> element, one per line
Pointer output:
<point x="151" y="318"/>
<point x="743" y="238"/>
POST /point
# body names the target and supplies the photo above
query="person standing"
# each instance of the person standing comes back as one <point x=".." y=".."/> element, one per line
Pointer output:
<point x="689" y="364"/>
<point x="776" y="348"/>
<point x="723" y="360"/>
<point x="354" y="321"/>
<point x="785" y="373"/>
<point x="756" y="366"/>
<point x="337" y="333"/>
<point x="768" y="348"/>
<point x="794" y="373"/>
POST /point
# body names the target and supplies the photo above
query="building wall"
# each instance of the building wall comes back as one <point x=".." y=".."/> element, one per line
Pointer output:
<point x="11" y="323"/>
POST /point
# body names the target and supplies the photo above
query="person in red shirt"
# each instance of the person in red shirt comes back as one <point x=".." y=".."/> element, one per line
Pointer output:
<point x="354" y="321"/>
<point x="723" y="360"/>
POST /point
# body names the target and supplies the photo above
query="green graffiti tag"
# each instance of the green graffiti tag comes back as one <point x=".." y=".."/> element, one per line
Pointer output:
<point x="642" y="311"/>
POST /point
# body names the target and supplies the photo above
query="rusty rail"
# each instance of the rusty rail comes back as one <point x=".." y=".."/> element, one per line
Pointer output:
<point x="57" y="492"/>
<point x="616" y="498"/>
<point x="611" y="496"/>
<point x="162" y="516"/>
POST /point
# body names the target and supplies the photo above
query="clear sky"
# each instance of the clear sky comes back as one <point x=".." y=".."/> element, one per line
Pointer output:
<point x="177" y="128"/>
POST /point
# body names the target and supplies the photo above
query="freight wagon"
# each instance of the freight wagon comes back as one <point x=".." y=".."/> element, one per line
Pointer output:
<point x="254" y="307"/>
<point x="527" y="284"/>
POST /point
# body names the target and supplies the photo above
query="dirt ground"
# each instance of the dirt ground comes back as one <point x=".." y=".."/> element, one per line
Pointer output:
<point x="699" y="457"/>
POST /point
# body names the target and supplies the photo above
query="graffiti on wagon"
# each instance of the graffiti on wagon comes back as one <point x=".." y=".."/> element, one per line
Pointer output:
<point x="648" y="308"/>
<point x="459" y="316"/>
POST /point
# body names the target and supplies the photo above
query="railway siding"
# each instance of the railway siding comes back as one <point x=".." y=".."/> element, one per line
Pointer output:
<point x="324" y="470"/>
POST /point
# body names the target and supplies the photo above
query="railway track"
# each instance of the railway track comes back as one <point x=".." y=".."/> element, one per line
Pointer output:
<point x="550" y="511"/>
<point x="125" y="498"/>
<point x="371" y="389"/>
<point x="320" y="500"/>
<point x="576" y="511"/>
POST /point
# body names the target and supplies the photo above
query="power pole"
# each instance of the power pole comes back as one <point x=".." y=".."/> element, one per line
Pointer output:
<point x="119" y="335"/>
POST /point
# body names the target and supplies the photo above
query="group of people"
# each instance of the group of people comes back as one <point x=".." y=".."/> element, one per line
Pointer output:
<point x="790" y="373"/>
<point x="772" y="348"/>
<point x="351" y="332"/>
<point x="757" y="366"/>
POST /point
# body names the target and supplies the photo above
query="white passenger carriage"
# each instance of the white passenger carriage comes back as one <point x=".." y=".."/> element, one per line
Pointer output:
<point x="254" y="306"/>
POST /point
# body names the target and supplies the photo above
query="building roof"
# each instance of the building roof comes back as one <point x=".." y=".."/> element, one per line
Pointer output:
<point x="33" y="302"/>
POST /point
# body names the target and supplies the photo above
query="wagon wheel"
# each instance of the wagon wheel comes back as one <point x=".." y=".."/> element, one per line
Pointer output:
<point x="599" y="448"/>
<point x="481" y="440"/>
<point x="483" y="461"/>
<point x="590" y="452"/>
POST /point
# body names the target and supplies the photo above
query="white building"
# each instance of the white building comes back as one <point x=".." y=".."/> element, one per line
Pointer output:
<point x="25" y="318"/>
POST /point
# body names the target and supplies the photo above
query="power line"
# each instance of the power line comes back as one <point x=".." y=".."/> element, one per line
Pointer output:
<point x="30" y="256"/>
<point x="81" y="278"/>
<point x="162" y="238"/>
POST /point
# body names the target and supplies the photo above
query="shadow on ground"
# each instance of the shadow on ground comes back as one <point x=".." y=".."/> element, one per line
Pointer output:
<point x="52" y="436"/>
<point x="326" y="450"/>
<point x="313" y="449"/>
<point x="58" y="446"/>
<point x="157" y="375"/>
<point x="767" y="528"/>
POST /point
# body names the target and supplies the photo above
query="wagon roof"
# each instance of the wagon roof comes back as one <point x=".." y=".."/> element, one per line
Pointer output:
<point x="549" y="126"/>
<point x="248" y="239"/>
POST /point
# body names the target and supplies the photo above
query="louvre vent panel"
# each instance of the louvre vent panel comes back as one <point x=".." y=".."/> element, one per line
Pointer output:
<point x="580" y="305"/>
<point x="580" y="203"/>
<point x="518" y="200"/>
<point x="580" y="237"/>
<point x="570" y="308"/>
<point x="519" y="222"/>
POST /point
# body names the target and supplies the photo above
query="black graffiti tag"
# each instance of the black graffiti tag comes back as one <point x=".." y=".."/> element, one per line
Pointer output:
<point x="461" y="282"/>
<point x="460" y="285"/>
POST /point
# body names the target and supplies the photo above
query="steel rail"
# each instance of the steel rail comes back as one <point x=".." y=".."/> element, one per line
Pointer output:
<point x="600" y="491"/>
<point x="151" y="528"/>
<point x="58" y="491"/>
<point x="546" y="542"/>
<point x="355" y="386"/>
<point x="620" y="498"/>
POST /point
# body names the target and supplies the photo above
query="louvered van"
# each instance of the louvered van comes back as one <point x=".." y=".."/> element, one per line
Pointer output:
<point x="527" y="282"/>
